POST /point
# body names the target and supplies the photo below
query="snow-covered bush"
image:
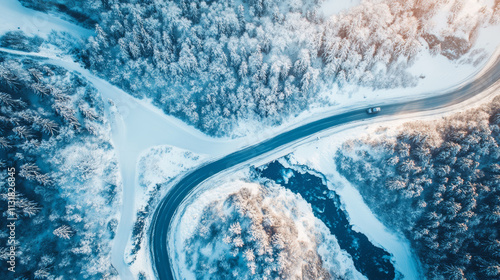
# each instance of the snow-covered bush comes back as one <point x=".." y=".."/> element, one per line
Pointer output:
<point x="19" y="41"/>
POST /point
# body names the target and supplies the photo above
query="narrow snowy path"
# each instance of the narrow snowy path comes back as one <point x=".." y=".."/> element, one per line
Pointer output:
<point x="137" y="126"/>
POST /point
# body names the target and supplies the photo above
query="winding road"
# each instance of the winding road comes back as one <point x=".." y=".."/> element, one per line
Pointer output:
<point x="166" y="210"/>
<point x="30" y="21"/>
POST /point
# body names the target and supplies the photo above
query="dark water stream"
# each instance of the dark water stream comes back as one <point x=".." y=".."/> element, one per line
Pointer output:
<point x="370" y="260"/>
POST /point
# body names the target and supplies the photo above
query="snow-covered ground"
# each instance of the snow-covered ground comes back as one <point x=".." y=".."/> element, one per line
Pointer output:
<point x="470" y="12"/>
<point x="160" y="164"/>
<point x="16" y="17"/>
<point x="157" y="166"/>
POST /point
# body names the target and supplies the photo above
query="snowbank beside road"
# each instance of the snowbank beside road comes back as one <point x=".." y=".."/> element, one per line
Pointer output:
<point x="156" y="168"/>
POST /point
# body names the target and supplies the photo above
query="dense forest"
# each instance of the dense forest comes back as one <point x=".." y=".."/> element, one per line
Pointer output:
<point x="215" y="64"/>
<point x="55" y="136"/>
<point x="438" y="183"/>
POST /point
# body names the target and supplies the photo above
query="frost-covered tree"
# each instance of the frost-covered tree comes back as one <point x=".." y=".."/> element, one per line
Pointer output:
<point x="42" y="108"/>
<point x="251" y="234"/>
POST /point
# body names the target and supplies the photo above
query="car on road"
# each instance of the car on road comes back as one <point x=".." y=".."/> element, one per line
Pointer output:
<point x="373" y="110"/>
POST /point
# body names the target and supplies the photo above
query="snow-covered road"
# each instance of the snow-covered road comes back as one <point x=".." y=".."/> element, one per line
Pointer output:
<point x="16" y="17"/>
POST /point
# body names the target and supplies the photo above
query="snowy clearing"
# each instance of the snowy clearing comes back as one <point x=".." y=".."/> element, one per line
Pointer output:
<point x="17" y="17"/>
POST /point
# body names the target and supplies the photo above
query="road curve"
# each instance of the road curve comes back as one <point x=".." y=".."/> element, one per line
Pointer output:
<point x="165" y="211"/>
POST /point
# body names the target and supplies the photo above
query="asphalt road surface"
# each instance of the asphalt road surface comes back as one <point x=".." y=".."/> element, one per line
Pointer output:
<point x="165" y="211"/>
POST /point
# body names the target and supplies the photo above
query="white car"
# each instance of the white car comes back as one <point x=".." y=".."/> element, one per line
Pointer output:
<point x="373" y="110"/>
